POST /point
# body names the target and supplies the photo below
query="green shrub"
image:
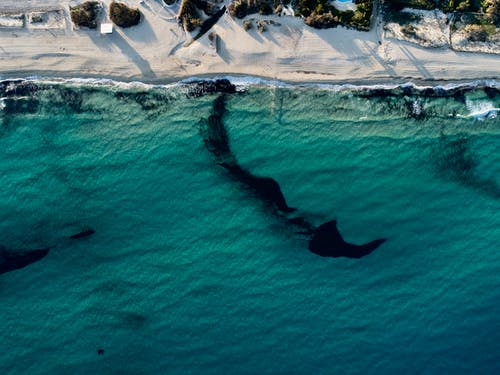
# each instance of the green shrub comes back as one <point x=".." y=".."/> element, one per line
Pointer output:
<point x="321" y="21"/>
<point x="492" y="9"/>
<point x="459" y="5"/>
<point x="247" y="25"/>
<point x="238" y="9"/>
<point x="476" y="33"/>
<point x="36" y="19"/>
<point x="124" y="16"/>
<point x="345" y="18"/>
<point x="418" y="4"/>
<point x="362" y="15"/>
<point x="85" y="15"/>
<point x="444" y="5"/>
<point x="265" y="8"/>
<point x="306" y="7"/>
<point x="242" y="8"/>
<point x="402" y="18"/>
<point x="189" y="15"/>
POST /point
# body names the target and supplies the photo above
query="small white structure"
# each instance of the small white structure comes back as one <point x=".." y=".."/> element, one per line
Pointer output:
<point x="106" y="28"/>
<point x="287" y="11"/>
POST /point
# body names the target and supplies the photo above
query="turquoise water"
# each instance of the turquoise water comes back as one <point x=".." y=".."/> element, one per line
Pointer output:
<point x="188" y="273"/>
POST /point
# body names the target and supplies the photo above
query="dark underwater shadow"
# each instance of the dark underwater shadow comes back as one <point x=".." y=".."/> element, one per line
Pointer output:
<point x="11" y="260"/>
<point x="324" y="240"/>
<point x="14" y="259"/>
<point x="454" y="160"/>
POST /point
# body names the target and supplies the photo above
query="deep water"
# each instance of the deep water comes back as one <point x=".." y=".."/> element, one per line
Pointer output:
<point x="189" y="273"/>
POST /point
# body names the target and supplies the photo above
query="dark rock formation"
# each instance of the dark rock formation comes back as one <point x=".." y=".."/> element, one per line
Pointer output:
<point x="325" y="240"/>
<point x="265" y="187"/>
<point x="11" y="260"/>
<point x="200" y="88"/>
<point x="215" y="134"/>
<point x="83" y="234"/>
<point x="17" y="87"/>
<point x="328" y="242"/>
<point x="492" y="92"/>
<point x="217" y="142"/>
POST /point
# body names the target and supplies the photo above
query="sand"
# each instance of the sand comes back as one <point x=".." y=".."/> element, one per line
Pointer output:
<point x="159" y="50"/>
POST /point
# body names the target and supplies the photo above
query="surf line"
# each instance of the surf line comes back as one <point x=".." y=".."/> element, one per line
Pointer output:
<point x="324" y="240"/>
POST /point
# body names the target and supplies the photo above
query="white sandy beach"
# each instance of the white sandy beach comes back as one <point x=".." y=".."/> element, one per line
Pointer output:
<point x="158" y="50"/>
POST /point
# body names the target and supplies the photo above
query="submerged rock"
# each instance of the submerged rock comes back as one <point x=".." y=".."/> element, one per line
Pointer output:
<point x="265" y="187"/>
<point x="328" y="242"/>
<point x="200" y="88"/>
<point x="86" y="233"/>
<point x="11" y="260"/>
<point x="325" y="240"/>
<point x="17" y="87"/>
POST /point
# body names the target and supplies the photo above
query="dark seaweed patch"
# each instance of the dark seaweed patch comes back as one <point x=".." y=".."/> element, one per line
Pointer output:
<point x="491" y="92"/>
<point x="17" y="106"/>
<point x="376" y="93"/>
<point x="411" y="91"/>
<point x="454" y="160"/>
<point x="20" y="106"/>
<point x="415" y="108"/>
<point x="73" y="98"/>
<point x="11" y="260"/>
<point x="133" y="320"/>
<point x="149" y="101"/>
<point x="325" y="240"/>
<point x="459" y="95"/>
<point x="215" y="135"/>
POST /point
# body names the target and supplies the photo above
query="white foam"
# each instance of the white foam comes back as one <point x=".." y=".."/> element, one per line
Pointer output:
<point x="481" y="110"/>
<point x="252" y="81"/>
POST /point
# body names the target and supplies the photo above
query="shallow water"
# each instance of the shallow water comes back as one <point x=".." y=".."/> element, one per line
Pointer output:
<point x="188" y="271"/>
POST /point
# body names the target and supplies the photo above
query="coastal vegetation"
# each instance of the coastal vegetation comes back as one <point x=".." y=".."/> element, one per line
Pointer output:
<point x="477" y="27"/>
<point x="489" y="8"/>
<point x="320" y="14"/>
<point x="85" y="15"/>
<point x="243" y="8"/>
<point x="189" y="14"/>
<point x="200" y="14"/>
<point x="124" y="16"/>
<point x="462" y="25"/>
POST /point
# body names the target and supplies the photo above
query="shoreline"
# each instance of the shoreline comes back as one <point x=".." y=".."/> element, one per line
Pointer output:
<point x="246" y="80"/>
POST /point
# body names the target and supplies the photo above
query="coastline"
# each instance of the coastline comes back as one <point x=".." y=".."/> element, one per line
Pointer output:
<point x="244" y="81"/>
<point x="158" y="51"/>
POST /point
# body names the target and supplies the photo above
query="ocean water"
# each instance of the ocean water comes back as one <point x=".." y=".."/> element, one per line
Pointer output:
<point x="189" y="273"/>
